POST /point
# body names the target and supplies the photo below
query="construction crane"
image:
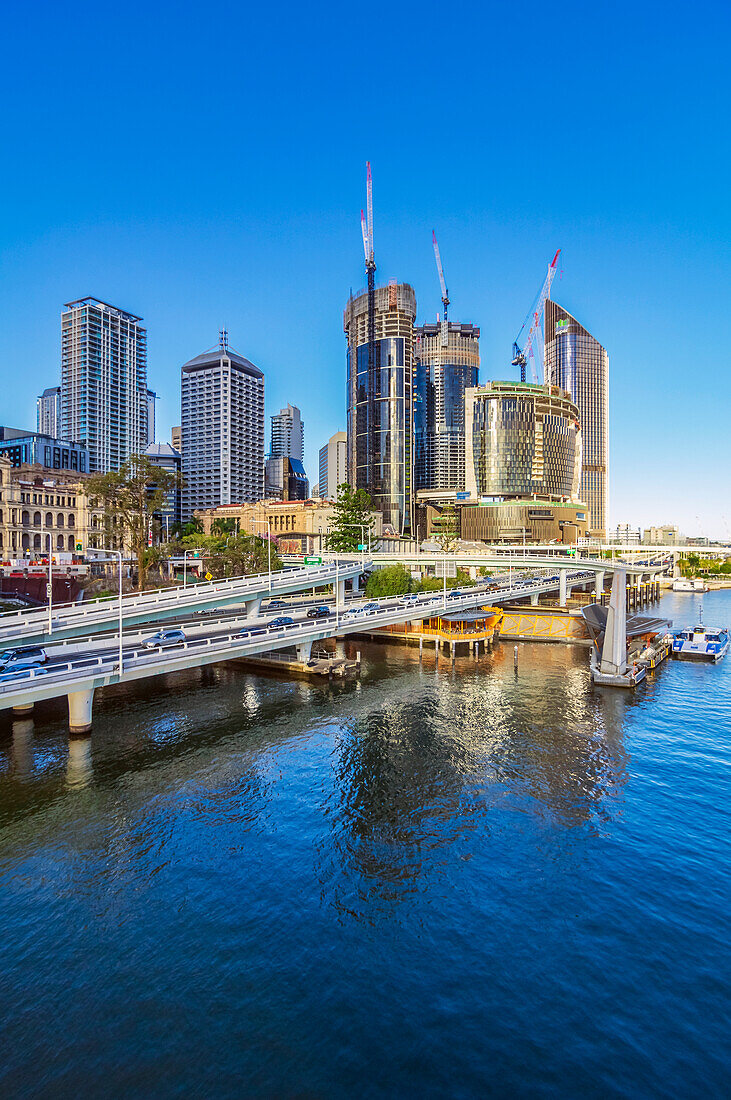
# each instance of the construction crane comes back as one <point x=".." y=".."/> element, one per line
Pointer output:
<point x="533" y="346"/>
<point x="445" y="295"/>
<point x="366" y="225"/>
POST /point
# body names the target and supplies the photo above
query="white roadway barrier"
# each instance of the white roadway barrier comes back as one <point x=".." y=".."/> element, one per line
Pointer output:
<point x="92" y="672"/>
<point x="17" y="625"/>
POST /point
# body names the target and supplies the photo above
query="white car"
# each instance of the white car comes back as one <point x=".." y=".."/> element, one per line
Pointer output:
<point x="165" y="637"/>
<point x="20" y="669"/>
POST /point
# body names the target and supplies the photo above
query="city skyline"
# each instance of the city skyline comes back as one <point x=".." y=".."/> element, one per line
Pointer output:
<point x="639" y="227"/>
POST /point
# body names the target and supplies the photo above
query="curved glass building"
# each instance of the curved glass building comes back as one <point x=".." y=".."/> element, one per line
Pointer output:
<point x="522" y="440"/>
<point x="578" y="363"/>
<point x="442" y="373"/>
<point x="379" y="400"/>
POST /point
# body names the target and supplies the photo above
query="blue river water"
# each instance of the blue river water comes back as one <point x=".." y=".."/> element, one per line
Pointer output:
<point x="432" y="882"/>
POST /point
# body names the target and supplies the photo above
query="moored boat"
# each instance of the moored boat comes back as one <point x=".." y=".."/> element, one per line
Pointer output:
<point x="701" y="644"/>
<point x="689" y="584"/>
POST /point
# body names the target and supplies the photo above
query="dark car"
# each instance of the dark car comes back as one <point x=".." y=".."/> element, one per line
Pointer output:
<point x="454" y="593"/>
<point x="282" y="620"/>
<point x="274" y="604"/>
<point x="320" y="612"/>
<point x="25" y="655"/>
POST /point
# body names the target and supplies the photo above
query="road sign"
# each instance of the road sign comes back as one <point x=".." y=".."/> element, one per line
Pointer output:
<point x="314" y="561"/>
<point x="48" y="590"/>
<point x="79" y="546"/>
<point x="209" y="576"/>
<point x="362" y="546"/>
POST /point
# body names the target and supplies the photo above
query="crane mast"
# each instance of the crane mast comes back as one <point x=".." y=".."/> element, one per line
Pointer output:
<point x="445" y="295"/>
<point x="366" y="223"/>
<point x="535" y="340"/>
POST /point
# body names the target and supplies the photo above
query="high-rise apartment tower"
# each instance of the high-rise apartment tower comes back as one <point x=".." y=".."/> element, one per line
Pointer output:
<point x="577" y="362"/>
<point x="222" y="430"/>
<point x="288" y="434"/>
<point x="380" y="375"/>
<point x="446" y="363"/>
<point x="48" y="412"/>
<point x="103" y="382"/>
<point x="333" y="465"/>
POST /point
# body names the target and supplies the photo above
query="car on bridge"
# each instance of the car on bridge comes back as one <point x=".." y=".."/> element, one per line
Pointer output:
<point x="274" y="605"/>
<point x="281" y="621"/>
<point x="163" y="638"/>
<point x="321" y="612"/>
<point x="25" y="655"/>
<point x="18" y="669"/>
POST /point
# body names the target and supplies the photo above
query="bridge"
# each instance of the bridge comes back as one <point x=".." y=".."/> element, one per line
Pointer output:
<point x="165" y="604"/>
<point x="77" y="670"/>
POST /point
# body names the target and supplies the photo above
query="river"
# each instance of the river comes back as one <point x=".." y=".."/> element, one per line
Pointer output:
<point x="431" y="882"/>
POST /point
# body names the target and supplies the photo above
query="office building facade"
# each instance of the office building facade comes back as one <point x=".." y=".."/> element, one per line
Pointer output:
<point x="285" y="479"/>
<point x="170" y="460"/>
<point x="48" y="412"/>
<point x="288" y="434"/>
<point x="222" y="430"/>
<point x="333" y="465"/>
<point x="103" y="382"/>
<point x="443" y="370"/>
<point x="379" y="399"/>
<point x="522" y="440"/>
<point x="151" y="399"/>
<point x="33" y="448"/>
<point x="576" y="362"/>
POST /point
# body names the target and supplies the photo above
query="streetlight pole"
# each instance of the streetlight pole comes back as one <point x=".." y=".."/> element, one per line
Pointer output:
<point x="194" y="550"/>
<point x="50" y="583"/>
<point x="118" y="554"/>
<point x="261" y="522"/>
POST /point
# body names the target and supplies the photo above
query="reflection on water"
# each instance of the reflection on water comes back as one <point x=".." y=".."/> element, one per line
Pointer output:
<point x="438" y="880"/>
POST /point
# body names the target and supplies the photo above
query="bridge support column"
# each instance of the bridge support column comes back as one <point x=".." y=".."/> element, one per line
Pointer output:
<point x="304" y="652"/>
<point x="80" y="710"/>
<point x="534" y="599"/>
<point x="562" y="587"/>
<point x="23" y="711"/>
<point x="599" y="586"/>
<point x="253" y="609"/>
<point x="339" y="592"/>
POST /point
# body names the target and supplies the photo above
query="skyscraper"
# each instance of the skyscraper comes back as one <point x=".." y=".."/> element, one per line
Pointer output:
<point x="288" y="434"/>
<point x="48" y="412"/>
<point x="103" y="382"/>
<point x="222" y="429"/>
<point x="446" y="363"/>
<point x="577" y="362"/>
<point x="333" y="465"/>
<point x="380" y="374"/>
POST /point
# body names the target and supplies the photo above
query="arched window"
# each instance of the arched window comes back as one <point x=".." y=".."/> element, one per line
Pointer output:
<point x="26" y="541"/>
<point x="94" y="522"/>
<point x="36" y="542"/>
<point x="59" y="519"/>
<point x="70" y="543"/>
<point x="59" y="542"/>
<point x="25" y="519"/>
<point x="49" y="519"/>
<point x="36" y="519"/>
<point x="71" y="522"/>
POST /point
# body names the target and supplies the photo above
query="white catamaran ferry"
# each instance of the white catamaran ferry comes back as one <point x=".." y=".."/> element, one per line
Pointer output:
<point x="701" y="644"/>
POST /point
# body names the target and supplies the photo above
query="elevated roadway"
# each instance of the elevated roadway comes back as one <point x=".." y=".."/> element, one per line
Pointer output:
<point x="78" y="674"/>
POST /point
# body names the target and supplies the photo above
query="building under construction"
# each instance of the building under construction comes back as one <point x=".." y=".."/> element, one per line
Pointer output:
<point x="380" y="377"/>
<point x="446" y="363"/>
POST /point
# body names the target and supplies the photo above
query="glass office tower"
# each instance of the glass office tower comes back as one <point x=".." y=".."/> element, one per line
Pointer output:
<point x="442" y="373"/>
<point x="522" y="441"/>
<point x="379" y="401"/>
<point x="577" y="362"/>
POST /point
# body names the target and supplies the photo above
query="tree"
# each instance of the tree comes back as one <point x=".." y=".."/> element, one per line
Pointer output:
<point x="394" y="580"/>
<point x="223" y="526"/>
<point x="130" y="497"/>
<point x="239" y="556"/>
<point x="444" y="527"/>
<point x="353" y="519"/>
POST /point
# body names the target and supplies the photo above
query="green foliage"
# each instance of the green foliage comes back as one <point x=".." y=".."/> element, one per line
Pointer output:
<point x="231" y="556"/>
<point x="223" y="526"/>
<point x="353" y="519"/>
<point x="130" y="497"/>
<point x="394" y="580"/>
<point x="444" y="527"/>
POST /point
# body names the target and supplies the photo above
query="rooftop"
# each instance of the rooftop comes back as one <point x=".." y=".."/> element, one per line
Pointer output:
<point x="97" y="302"/>
<point x="214" y="356"/>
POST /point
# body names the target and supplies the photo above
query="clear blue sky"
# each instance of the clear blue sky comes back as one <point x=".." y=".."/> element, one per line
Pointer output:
<point x="202" y="164"/>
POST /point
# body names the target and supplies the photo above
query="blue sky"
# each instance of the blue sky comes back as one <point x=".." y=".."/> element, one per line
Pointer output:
<point x="204" y="165"/>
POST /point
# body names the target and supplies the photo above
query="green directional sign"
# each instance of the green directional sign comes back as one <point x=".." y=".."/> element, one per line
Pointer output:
<point x="362" y="546"/>
<point x="313" y="561"/>
<point x="79" y="546"/>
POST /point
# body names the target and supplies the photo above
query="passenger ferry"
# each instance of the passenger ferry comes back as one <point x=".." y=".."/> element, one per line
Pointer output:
<point x="701" y="644"/>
